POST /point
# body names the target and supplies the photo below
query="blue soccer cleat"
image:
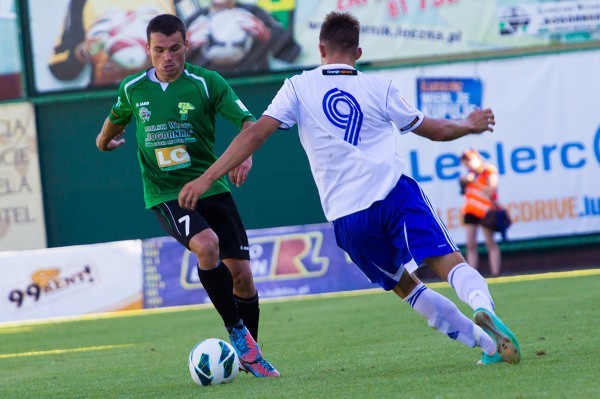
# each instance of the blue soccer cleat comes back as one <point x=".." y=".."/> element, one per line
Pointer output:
<point x="251" y="359"/>
<point x="487" y="359"/>
<point x="507" y="346"/>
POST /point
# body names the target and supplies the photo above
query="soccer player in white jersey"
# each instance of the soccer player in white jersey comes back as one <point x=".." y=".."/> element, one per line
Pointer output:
<point x="381" y="217"/>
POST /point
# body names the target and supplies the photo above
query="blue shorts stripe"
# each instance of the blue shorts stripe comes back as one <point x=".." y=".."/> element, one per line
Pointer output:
<point x="440" y="223"/>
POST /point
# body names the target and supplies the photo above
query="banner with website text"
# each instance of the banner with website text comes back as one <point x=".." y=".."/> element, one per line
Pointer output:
<point x="105" y="40"/>
<point x="546" y="142"/>
<point x="22" y="224"/>
<point x="286" y="261"/>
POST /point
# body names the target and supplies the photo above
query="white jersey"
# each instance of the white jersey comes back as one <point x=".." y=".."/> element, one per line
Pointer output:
<point x="345" y="121"/>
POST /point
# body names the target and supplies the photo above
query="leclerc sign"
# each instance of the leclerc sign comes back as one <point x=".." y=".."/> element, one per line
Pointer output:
<point x="520" y="160"/>
<point x="546" y="142"/>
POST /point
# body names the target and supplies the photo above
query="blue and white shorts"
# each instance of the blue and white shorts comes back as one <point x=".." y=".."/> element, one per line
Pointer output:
<point x="399" y="231"/>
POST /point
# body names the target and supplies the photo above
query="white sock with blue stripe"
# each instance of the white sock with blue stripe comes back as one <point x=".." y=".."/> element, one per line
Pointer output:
<point x="471" y="287"/>
<point x="443" y="315"/>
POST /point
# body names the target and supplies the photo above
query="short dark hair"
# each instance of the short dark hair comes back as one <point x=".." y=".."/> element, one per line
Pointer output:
<point x="340" y="32"/>
<point x="166" y="24"/>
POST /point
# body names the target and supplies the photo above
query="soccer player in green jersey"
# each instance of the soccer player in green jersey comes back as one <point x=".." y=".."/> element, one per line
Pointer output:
<point x="174" y="105"/>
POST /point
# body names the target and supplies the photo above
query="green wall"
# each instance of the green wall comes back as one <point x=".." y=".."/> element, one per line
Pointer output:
<point x="91" y="196"/>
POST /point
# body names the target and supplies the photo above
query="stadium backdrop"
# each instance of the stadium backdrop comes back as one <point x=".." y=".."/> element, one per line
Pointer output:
<point x="89" y="197"/>
<point x="528" y="60"/>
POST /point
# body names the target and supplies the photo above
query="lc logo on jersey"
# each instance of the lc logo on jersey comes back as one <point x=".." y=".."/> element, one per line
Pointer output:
<point x="183" y="110"/>
<point x="171" y="158"/>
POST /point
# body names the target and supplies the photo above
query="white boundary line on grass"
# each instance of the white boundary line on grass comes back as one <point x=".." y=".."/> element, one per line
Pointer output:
<point x="62" y="351"/>
<point x="17" y="326"/>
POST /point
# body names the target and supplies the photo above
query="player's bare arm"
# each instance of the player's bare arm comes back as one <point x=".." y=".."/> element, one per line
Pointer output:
<point x="242" y="146"/>
<point x="476" y="122"/>
<point x="111" y="136"/>
<point x="239" y="174"/>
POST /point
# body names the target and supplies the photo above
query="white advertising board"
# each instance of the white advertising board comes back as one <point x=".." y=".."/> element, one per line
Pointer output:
<point x="70" y="281"/>
<point x="546" y="142"/>
<point x="22" y="224"/>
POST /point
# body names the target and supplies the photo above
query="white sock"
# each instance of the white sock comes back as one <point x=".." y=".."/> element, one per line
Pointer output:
<point x="471" y="287"/>
<point x="484" y="341"/>
<point x="443" y="315"/>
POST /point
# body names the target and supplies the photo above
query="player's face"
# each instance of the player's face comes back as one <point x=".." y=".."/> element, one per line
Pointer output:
<point x="168" y="55"/>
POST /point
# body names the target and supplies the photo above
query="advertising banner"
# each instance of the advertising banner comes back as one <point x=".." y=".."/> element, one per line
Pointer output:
<point x="22" y="223"/>
<point x="448" y="98"/>
<point x="10" y="62"/>
<point x="289" y="261"/>
<point x="70" y="281"/>
<point x="546" y="142"/>
<point x="89" y="43"/>
<point x="569" y="20"/>
<point x="95" y="43"/>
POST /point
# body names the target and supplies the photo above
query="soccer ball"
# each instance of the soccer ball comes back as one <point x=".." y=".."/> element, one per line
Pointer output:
<point x="213" y="362"/>
<point x="121" y="34"/>
<point x="228" y="42"/>
<point x="127" y="52"/>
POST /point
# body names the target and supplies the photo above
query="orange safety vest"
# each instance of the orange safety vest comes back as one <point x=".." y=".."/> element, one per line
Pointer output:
<point x="477" y="201"/>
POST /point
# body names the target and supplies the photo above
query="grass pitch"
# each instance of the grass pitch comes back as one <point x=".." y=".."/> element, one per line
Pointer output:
<point x="365" y="345"/>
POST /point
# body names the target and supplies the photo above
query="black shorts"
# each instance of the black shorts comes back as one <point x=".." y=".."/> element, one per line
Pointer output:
<point x="217" y="212"/>
<point x="469" y="218"/>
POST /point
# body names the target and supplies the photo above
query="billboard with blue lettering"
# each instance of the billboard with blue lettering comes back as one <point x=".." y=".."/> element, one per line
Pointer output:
<point x="286" y="261"/>
<point x="448" y="98"/>
<point x="545" y="144"/>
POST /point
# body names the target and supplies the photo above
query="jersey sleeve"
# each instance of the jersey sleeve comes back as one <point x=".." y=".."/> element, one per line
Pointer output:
<point x="284" y="107"/>
<point x="121" y="111"/>
<point x="227" y="102"/>
<point x="401" y="112"/>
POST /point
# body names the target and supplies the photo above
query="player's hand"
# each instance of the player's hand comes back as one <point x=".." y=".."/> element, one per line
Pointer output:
<point x="189" y="194"/>
<point x="198" y="32"/>
<point x="257" y="29"/>
<point x="88" y="49"/>
<point x="239" y="174"/>
<point x="115" y="143"/>
<point x="482" y="120"/>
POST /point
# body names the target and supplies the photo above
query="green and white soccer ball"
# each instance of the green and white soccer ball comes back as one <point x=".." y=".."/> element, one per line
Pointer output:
<point x="213" y="361"/>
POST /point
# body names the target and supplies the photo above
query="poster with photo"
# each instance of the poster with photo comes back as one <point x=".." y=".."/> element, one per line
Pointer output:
<point x="10" y="62"/>
<point x="96" y="43"/>
<point x="89" y="43"/>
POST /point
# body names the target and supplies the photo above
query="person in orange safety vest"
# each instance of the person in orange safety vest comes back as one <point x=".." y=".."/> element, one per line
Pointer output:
<point x="480" y="189"/>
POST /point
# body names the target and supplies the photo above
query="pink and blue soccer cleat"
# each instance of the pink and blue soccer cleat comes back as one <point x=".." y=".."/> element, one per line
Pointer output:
<point x="251" y="359"/>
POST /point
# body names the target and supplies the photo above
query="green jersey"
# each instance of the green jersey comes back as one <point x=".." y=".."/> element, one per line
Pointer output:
<point x="176" y="127"/>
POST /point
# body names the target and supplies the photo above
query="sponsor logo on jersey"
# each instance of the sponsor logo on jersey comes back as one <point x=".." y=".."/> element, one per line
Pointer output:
<point x="171" y="158"/>
<point x="183" y="110"/>
<point x="145" y="114"/>
<point x="348" y="72"/>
